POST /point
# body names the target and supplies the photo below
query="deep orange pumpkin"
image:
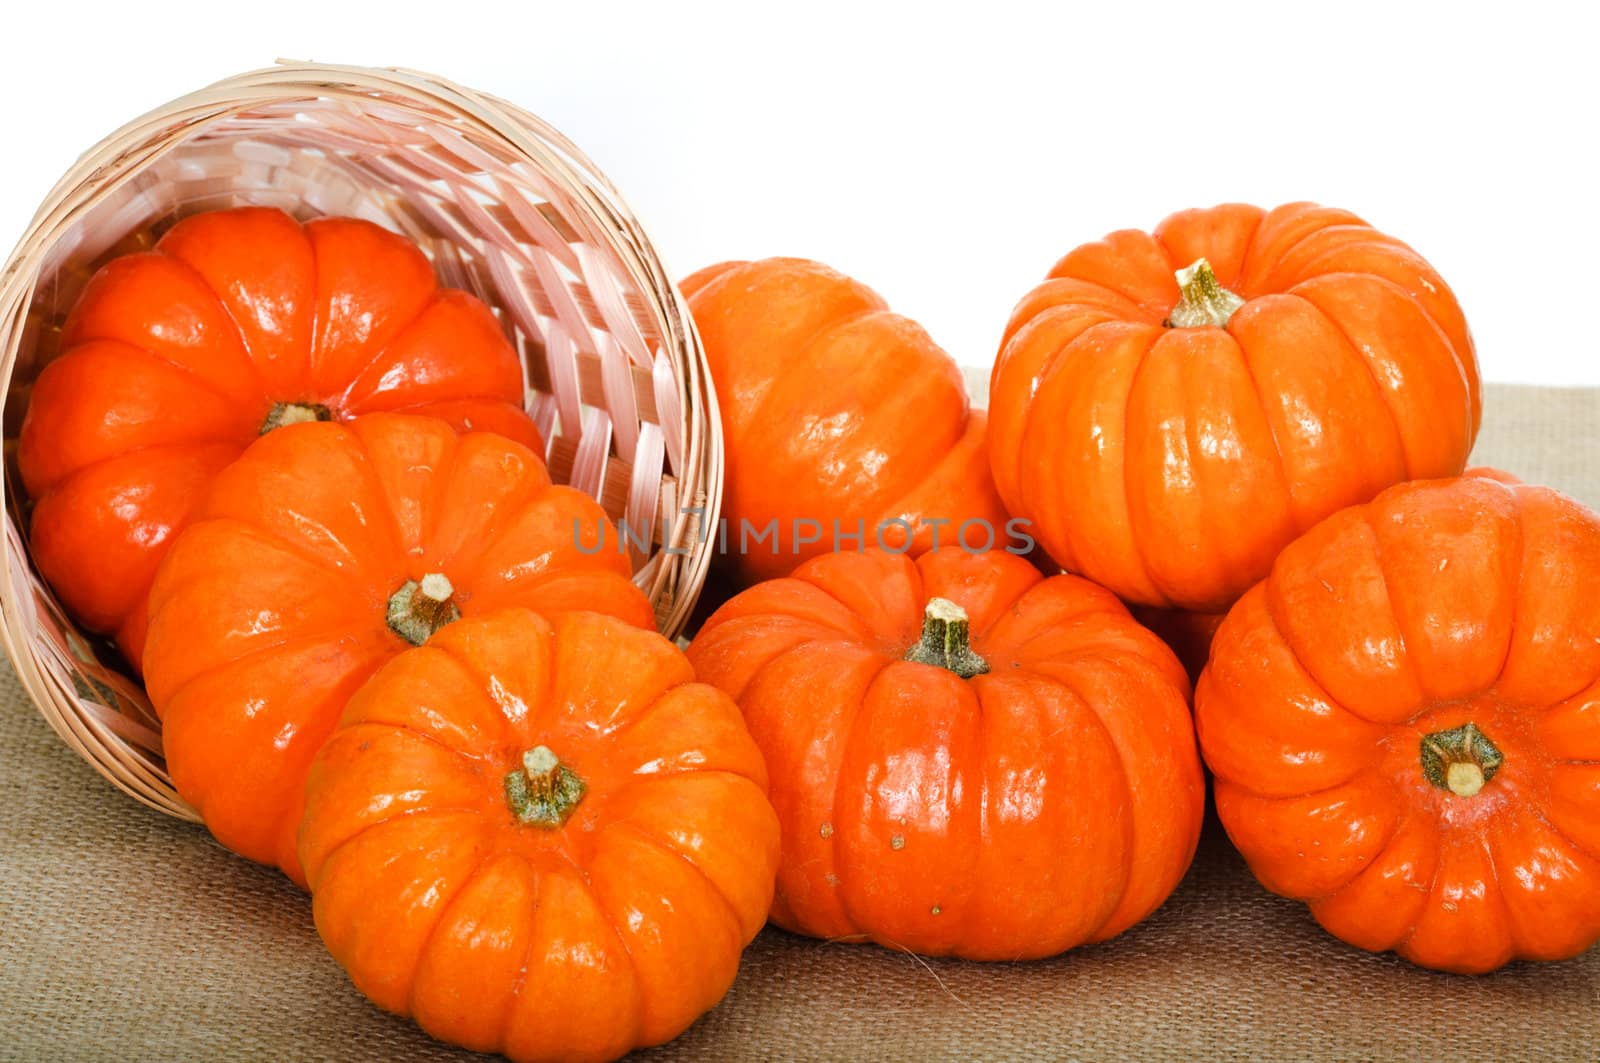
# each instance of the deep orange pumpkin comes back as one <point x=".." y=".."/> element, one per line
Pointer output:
<point x="1170" y="409"/>
<point x="542" y="839"/>
<point x="838" y="418"/>
<point x="967" y="758"/>
<point x="325" y="550"/>
<point x="1404" y="724"/>
<point x="174" y="359"/>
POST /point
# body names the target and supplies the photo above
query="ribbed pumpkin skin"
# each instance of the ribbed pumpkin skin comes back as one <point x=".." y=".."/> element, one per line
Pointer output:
<point x="174" y="358"/>
<point x="615" y="929"/>
<point x="835" y="409"/>
<point x="1172" y="463"/>
<point x="271" y="608"/>
<point x="1388" y="625"/>
<point x="1053" y="801"/>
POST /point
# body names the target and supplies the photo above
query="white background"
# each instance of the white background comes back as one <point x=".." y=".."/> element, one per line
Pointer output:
<point x="947" y="158"/>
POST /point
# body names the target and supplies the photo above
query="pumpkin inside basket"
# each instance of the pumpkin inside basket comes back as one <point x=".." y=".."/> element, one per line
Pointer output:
<point x="504" y="207"/>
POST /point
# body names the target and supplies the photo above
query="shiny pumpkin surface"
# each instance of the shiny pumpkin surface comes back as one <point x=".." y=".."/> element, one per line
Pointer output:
<point x="272" y="607"/>
<point x="1338" y="692"/>
<point x="175" y="359"/>
<point x="1051" y="801"/>
<point x="1171" y="462"/>
<point x="838" y="412"/>
<point x="613" y="930"/>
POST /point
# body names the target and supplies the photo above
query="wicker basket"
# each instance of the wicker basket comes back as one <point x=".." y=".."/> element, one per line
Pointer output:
<point x="506" y="208"/>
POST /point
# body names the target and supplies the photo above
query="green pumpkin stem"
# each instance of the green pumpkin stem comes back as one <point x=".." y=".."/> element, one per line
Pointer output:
<point x="1461" y="760"/>
<point x="421" y="607"/>
<point x="543" y="792"/>
<point x="1204" y="302"/>
<point x="283" y="413"/>
<point x="946" y="640"/>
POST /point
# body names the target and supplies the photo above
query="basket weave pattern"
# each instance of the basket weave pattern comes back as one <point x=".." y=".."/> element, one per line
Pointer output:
<point x="503" y="205"/>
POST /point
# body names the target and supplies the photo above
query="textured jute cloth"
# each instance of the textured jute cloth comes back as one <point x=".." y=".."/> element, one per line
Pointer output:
<point x="127" y="935"/>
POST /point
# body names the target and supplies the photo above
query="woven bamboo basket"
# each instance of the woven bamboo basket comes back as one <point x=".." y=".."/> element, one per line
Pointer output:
<point x="504" y="206"/>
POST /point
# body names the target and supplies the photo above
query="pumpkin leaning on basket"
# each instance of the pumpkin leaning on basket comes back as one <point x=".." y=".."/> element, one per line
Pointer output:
<point x="967" y="758"/>
<point x="542" y="839"/>
<point x="1170" y="409"/>
<point x="325" y="550"/>
<point x="1404" y="723"/>
<point x="237" y="322"/>
<point x="838" y="418"/>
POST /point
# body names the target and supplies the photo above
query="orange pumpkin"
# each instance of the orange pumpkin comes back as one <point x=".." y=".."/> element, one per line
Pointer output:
<point x="1170" y="409"/>
<point x="844" y="424"/>
<point x="174" y="359"/>
<point x="1404" y="724"/>
<point x="967" y="758"/>
<point x="325" y="550"/>
<point x="541" y="839"/>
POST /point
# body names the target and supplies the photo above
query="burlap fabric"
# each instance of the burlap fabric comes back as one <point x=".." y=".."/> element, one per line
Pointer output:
<point x="127" y="935"/>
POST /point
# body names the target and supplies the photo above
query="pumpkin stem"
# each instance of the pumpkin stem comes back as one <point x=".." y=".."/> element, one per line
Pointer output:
<point x="945" y="640"/>
<point x="544" y="791"/>
<point x="1204" y="302"/>
<point x="419" y="608"/>
<point x="283" y="413"/>
<point x="1461" y="760"/>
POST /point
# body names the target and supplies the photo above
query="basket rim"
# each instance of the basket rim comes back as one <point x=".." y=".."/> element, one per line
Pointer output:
<point x="111" y="162"/>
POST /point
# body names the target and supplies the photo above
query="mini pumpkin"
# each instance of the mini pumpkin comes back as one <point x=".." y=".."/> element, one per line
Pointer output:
<point x="323" y="551"/>
<point x="1170" y="409"/>
<point x="174" y="359"/>
<point x="844" y="425"/>
<point x="1404" y="724"/>
<point x="966" y="758"/>
<point x="540" y="838"/>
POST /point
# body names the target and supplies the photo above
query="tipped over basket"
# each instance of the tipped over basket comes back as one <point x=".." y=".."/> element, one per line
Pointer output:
<point x="504" y="206"/>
